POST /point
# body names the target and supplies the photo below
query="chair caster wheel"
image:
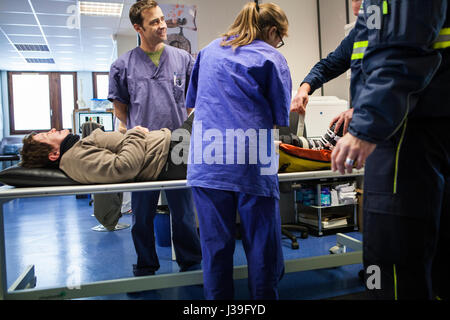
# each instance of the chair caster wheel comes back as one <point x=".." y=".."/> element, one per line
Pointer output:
<point x="304" y="235"/>
<point x="295" y="245"/>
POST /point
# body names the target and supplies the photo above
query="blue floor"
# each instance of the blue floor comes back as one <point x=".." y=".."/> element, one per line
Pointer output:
<point x="55" y="235"/>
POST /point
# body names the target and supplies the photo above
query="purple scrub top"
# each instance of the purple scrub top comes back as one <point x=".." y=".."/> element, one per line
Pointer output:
<point x="155" y="95"/>
<point x="248" y="89"/>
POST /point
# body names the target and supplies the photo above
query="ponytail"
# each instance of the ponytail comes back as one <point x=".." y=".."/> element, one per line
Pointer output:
<point x="251" y="23"/>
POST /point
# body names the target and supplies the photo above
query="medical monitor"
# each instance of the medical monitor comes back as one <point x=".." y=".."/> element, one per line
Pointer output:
<point x="106" y="119"/>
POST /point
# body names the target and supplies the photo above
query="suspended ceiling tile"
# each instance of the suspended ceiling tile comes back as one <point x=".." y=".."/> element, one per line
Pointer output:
<point x="99" y="21"/>
<point x="15" y="6"/>
<point x="36" y="54"/>
<point x="51" y="6"/>
<point x="54" y="20"/>
<point x="63" y="42"/>
<point x="27" y="39"/>
<point x="17" y="18"/>
<point x="61" y="32"/>
<point x="8" y="55"/>
<point x="98" y="31"/>
<point x="25" y="30"/>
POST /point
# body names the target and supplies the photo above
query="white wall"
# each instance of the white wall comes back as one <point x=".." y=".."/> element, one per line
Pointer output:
<point x="302" y="44"/>
<point x="125" y="43"/>
<point x="333" y="18"/>
<point x="301" y="49"/>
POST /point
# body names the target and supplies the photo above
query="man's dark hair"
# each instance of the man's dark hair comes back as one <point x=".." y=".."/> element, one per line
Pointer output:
<point x="137" y="8"/>
<point x="34" y="154"/>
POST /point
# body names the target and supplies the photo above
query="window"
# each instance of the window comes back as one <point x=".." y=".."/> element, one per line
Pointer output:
<point x="100" y="82"/>
<point x="39" y="101"/>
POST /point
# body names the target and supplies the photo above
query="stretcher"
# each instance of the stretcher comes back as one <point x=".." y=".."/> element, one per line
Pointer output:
<point x="25" y="286"/>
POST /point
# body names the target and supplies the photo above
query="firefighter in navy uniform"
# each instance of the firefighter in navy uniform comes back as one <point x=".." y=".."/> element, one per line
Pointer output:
<point x="401" y="97"/>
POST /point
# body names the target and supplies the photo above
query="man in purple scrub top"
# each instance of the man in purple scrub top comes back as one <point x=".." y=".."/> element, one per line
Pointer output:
<point x="147" y="86"/>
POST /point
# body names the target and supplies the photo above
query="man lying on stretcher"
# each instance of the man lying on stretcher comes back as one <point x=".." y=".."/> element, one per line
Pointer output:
<point x="113" y="157"/>
<point x="106" y="157"/>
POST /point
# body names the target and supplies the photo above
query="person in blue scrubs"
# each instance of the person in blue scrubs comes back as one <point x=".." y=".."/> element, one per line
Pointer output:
<point x="147" y="87"/>
<point x="335" y="64"/>
<point x="240" y="88"/>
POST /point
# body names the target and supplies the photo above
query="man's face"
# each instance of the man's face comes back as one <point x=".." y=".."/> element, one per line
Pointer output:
<point x="52" y="137"/>
<point x="154" y="27"/>
<point x="356" y="5"/>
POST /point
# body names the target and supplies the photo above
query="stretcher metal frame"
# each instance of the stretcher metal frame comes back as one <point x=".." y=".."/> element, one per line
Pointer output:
<point x="24" y="287"/>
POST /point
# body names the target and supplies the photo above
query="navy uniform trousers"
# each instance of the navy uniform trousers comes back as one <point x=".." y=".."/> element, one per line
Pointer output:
<point x="261" y="237"/>
<point x="184" y="231"/>
<point x="407" y="212"/>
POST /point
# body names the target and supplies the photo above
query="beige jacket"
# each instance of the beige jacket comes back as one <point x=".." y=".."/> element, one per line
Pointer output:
<point x="113" y="157"/>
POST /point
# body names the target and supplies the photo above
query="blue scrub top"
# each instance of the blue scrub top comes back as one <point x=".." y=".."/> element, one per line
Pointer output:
<point x="155" y="95"/>
<point x="236" y="93"/>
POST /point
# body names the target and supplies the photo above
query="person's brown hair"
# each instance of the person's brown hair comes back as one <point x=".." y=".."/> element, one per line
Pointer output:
<point x="34" y="154"/>
<point x="137" y="8"/>
<point x="252" y="23"/>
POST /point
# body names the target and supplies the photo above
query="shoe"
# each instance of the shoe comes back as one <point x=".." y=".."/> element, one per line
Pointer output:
<point x="327" y="141"/>
<point x="191" y="267"/>
<point x="128" y="212"/>
<point x="142" y="271"/>
<point x="330" y="138"/>
<point x="118" y="226"/>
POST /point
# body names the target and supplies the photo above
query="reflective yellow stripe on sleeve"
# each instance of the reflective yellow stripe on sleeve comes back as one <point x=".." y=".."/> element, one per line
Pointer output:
<point x="443" y="40"/>
<point x="385" y="7"/>
<point x="359" y="48"/>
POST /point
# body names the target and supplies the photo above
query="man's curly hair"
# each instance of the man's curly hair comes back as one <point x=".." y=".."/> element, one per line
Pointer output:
<point x="34" y="154"/>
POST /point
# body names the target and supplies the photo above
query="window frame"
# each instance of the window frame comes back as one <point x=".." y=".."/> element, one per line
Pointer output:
<point x="94" y="81"/>
<point x="54" y="98"/>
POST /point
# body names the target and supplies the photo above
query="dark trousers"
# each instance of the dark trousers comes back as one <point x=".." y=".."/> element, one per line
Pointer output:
<point x="261" y="238"/>
<point x="407" y="212"/>
<point x="184" y="232"/>
<point x="107" y="207"/>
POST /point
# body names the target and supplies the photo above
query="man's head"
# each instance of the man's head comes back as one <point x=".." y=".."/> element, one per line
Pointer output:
<point x="42" y="149"/>
<point x="147" y="19"/>
<point x="356" y="5"/>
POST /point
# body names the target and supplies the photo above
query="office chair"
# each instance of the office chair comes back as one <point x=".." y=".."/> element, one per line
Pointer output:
<point x="286" y="187"/>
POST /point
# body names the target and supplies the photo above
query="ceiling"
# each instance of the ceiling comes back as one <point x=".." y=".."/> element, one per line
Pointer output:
<point x="51" y="22"/>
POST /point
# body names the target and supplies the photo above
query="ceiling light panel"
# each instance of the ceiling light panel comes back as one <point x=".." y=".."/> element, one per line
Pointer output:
<point x="101" y="9"/>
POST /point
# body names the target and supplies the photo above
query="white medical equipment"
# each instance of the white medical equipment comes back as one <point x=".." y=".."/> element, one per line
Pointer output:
<point x="319" y="113"/>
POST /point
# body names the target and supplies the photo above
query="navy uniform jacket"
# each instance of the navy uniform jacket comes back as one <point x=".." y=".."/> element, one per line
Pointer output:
<point x="335" y="64"/>
<point x="400" y="70"/>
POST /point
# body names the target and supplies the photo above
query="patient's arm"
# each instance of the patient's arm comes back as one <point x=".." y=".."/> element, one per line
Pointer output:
<point x="121" y="111"/>
<point x="122" y="127"/>
<point x="98" y="159"/>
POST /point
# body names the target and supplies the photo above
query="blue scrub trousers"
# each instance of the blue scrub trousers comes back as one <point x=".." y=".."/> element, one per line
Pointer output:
<point x="407" y="223"/>
<point x="261" y="238"/>
<point x="184" y="231"/>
